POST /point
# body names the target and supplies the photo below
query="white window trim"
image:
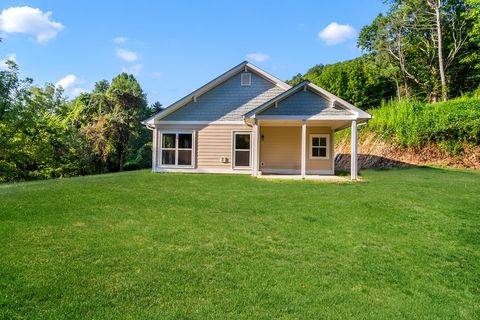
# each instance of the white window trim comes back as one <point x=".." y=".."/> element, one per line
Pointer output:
<point x="319" y="135"/>
<point x="176" y="133"/>
<point x="246" y="75"/>
<point x="234" y="133"/>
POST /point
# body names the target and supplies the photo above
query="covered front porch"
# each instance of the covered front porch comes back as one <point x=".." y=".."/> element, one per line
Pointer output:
<point x="294" y="132"/>
<point x="299" y="148"/>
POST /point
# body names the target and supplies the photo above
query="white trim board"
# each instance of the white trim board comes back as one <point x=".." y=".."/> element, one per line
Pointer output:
<point x="197" y="170"/>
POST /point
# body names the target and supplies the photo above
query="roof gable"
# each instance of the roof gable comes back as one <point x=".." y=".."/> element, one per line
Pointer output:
<point x="195" y="95"/>
<point x="307" y="99"/>
<point x="228" y="101"/>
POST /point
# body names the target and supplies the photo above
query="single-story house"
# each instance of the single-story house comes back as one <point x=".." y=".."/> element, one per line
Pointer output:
<point x="248" y="121"/>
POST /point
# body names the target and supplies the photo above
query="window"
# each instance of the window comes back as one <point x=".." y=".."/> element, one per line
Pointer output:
<point x="319" y="146"/>
<point x="177" y="149"/>
<point x="241" y="150"/>
<point x="246" y="79"/>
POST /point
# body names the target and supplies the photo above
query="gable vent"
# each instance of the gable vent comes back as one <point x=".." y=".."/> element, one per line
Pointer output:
<point x="246" y="79"/>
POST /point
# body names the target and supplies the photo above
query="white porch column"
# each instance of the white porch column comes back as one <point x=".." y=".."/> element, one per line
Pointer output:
<point x="255" y="149"/>
<point x="154" y="149"/>
<point x="303" y="170"/>
<point x="353" y="152"/>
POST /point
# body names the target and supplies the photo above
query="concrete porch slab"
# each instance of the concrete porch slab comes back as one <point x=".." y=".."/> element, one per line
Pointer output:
<point x="307" y="177"/>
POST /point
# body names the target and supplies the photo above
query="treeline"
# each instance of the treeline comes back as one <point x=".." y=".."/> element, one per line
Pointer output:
<point x="424" y="50"/>
<point x="44" y="135"/>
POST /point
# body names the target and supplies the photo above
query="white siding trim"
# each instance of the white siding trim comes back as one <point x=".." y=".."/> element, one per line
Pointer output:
<point x="197" y="170"/>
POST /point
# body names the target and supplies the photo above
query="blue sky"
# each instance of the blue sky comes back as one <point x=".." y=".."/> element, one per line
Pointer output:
<point x="173" y="47"/>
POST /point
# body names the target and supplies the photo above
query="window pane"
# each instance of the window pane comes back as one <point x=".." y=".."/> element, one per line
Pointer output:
<point x="315" y="142"/>
<point x="242" y="141"/>
<point x="242" y="158"/>
<point x="185" y="157"/>
<point x="168" y="140"/>
<point x="323" y="142"/>
<point x="168" y="156"/>
<point x="315" y="152"/>
<point x="185" y="141"/>
<point x="323" y="152"/>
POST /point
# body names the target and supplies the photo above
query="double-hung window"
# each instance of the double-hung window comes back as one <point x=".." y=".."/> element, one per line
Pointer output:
<point x="241" y="150"/>
<point x="319" y="146"/>
<point x="177" y="149"/>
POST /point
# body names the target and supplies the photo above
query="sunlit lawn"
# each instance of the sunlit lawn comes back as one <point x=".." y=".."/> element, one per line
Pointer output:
<point x="403" y="244"/>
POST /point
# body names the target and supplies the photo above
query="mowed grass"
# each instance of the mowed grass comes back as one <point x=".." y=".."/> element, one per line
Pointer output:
<point x="404" y="244"/>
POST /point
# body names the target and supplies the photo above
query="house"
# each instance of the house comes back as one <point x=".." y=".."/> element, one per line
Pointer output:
<point x="248" y="121"/>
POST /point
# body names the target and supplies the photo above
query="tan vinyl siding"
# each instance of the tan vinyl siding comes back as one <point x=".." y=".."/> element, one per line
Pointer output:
<point x="215" y="142"/>
<point x="212" y="143"/>
<point x="280" y="148"/>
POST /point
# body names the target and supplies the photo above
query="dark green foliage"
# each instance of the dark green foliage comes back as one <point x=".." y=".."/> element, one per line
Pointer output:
<point x="358" y="81"/>
<point x="42" y="135"/>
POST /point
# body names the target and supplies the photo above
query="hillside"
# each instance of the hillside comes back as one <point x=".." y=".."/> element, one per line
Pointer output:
<point x="414" y="133"/>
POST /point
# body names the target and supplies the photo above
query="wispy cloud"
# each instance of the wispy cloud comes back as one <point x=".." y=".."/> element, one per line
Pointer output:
<point x="258" y="57"/>
<point x="31" y="21"/>
<point x="120" y="40"/>
<point x="134" y="69"/>
<point x="70" y="85"/>
<point x="127" y="55"/>
<point x="336" y="33"/>
<point x="11" y="57"/>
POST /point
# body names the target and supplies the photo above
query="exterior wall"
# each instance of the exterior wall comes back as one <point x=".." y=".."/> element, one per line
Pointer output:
<point x="280" y="148"/>
<point x="212" y="142"/>
<point x="228" y="101"/>
<point x="320" y="164"/>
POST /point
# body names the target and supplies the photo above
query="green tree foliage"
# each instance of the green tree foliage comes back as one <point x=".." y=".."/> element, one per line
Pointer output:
<point x="425" y="46"/>
<point x="359" y="81"/>
<point x="43" y="135"/>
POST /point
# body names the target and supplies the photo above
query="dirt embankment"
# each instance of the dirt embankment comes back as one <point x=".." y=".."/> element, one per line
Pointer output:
<point x="377" y="153"/>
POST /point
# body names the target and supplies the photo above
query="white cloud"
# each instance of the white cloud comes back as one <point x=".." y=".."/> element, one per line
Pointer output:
<point x="336" y="33"/>
<point x="30" y="21"/>
<point x="258" y="57"/>
<point x="127" y="55"/>
<point x="70" y="86"/>
<point x="157" y="74"/>
<point x="3" y="63"/>
<point x="120" y="40"/>
<point x="135" y="69"/>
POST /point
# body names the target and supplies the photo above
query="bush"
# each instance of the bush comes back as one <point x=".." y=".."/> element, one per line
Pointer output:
<point x="414" y="124"/>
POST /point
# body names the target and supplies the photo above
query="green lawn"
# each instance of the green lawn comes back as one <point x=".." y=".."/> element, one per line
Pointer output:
<point x="404" y="244"/>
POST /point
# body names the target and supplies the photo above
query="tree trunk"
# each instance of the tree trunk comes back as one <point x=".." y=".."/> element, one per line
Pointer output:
<point x="121" y="160"/>
<point x="436" y="5"/>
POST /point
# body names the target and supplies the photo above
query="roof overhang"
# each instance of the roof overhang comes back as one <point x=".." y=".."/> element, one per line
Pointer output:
<point x="245" y="66"/>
